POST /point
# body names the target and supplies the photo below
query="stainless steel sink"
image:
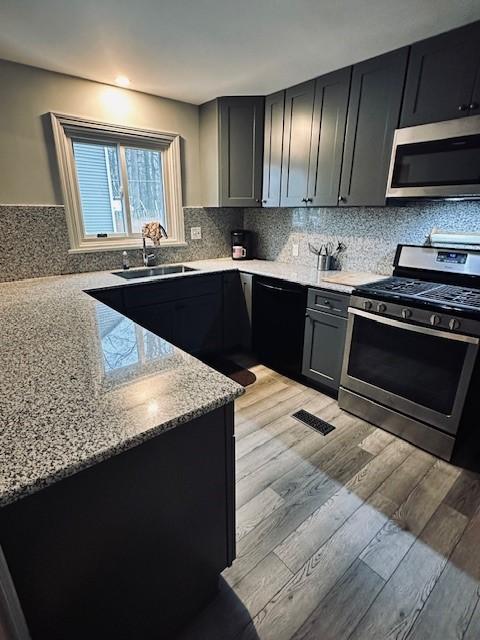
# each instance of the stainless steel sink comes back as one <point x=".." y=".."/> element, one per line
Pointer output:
<point x="149" y="272"/>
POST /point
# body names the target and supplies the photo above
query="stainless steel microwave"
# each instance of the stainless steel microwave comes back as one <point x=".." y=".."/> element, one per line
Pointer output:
<point x="439" y="160"/>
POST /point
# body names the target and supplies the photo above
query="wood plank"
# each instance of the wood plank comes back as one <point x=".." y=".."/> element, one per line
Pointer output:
<point x="278" y="466"/>
<point x="302" y="543"/>
<point x="280" y="408"/>
<point x="273" y="530"/>
<point x="396" y="608"/>
<point x="247" y="420"/>
<point x="232" y="610"/>
<point x="473" y="629"/>
<point x="376" y="441"/>
<point x="392" y="543"/>
<point x="298" y="599"/>
<point x="253" y="512"/>
<point x="349" y="431"/>
<point x="258" y="391"/>
<point x="343" y="607"/>
<point x="449" y="609"/>
<point x="464" y="496"/>
<point x="273" y="423"/>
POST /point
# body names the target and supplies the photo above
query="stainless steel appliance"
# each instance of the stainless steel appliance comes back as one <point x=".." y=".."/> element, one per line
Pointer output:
<point x="411" y="360"/>
<point x="439" y="160"/>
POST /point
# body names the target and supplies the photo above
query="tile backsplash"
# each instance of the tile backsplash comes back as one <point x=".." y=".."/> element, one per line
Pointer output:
<point x="34" y="242"/>
<point x="370" y="234"/>
<point x="34" y="239"/>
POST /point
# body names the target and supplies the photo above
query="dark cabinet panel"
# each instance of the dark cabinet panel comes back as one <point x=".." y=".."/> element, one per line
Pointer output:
<point x="296" y="144"/>
<point x="323" y="347"/>
<point x="441" y="77"/>
<point x="373" y="114"/>
<point x="272" y="149"/>
<point x="328" y="134"/>
<point x="236" y="321"/>
<point x="157" y="318"/>
<point x="241" y="143"/>
<point x="199" y="325"/>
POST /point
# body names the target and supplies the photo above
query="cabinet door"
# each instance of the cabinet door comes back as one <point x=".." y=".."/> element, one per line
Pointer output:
<point x="323" y="348"/>
<point x="373" y="114"/>
<point x="272" y="149"/>
<point x="241" y="146"/>
<point x="441" y="75"/>
<point x="199" y="324"/>
<point x="157" y="318"/>
<point x="236" y="323"/>
<point x="296" y="144"/>
<point x="328" y="135"/>
<point x="474" y="106"/>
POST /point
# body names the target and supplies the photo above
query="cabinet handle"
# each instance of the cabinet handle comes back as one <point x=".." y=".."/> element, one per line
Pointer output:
<point x="309" y="200"/>
<point x="264" y="202"/>
<point x="304" y="199"/>
<point x="462" y="107"/>
<point x="473" y="106"/>
<point x="257" y="200"/>
<point x="341" y="199"/>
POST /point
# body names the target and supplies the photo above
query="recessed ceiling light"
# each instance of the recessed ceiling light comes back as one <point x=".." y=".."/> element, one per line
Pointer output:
<point x="122" y="81"/>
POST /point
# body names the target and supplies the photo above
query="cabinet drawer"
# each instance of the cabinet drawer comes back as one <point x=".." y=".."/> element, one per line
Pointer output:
<point x="324" y="300"/>
<point x="155" y="292"/>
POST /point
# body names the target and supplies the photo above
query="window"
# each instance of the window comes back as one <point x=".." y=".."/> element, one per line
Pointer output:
<point x="115" y="179"/>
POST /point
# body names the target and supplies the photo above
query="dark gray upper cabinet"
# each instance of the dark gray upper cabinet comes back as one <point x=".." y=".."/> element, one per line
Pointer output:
<point x="296" y="144"/>
<point x="441" y="77"/>
<point x="327" y="138"/>
<point x="231" y="149"/>
<point x="373" y="115"/>
<point x="272" y="149"/>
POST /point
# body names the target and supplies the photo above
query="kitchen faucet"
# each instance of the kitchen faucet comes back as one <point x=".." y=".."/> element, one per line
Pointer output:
<point x="149" y="258"/>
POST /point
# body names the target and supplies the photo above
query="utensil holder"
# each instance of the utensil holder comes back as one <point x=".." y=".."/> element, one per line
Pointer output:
<point x="325" y="263"/>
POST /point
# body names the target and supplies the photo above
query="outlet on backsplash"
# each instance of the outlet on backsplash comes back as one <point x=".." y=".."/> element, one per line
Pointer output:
<point x="196" y="233"/>
<point x="295" y="249"/>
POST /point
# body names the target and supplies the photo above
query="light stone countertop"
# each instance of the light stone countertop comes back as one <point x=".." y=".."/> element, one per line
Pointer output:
<point x="80" y="382"/>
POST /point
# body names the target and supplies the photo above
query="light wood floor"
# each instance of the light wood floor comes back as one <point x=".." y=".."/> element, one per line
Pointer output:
<point x="356" y="535"/>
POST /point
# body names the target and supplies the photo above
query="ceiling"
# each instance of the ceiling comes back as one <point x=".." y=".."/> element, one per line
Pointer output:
<point x="194" y="50"/>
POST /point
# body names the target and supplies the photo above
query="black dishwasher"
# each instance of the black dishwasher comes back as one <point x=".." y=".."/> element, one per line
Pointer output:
<point x="279" y="323"/>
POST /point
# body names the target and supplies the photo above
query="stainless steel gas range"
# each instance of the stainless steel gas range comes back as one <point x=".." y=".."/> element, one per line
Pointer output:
<point x="410" y="363"/>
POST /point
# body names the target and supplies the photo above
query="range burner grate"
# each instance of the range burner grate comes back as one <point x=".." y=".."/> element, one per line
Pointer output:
<point x="454" y="295"/>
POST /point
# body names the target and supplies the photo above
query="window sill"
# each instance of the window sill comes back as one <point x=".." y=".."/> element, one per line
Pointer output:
<point x="119" y="246"/>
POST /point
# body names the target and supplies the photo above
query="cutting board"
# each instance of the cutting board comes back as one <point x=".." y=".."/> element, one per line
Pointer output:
<point x="352" y="278"/>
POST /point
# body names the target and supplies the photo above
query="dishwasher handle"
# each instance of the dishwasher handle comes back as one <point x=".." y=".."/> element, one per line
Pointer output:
<point x="259" y="283"/>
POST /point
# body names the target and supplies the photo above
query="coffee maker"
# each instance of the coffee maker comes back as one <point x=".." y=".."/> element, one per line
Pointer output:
<point x="242" y="244"/>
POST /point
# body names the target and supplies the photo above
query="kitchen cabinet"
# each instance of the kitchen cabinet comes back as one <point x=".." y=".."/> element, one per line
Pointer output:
<point x="373" y="116"/>
<point x="328" y="134"/>
<point x="94" y="554"/>
<point x="198" y="324"/>
<point x="272" y="149"/>
<point x="237" y="307"/>
<point x="185" y="311"/>
<point x="443" y="79"/>
<point x="325" y="333"/>
<point x="296" y="144"/>
<point x="231" y="148"/>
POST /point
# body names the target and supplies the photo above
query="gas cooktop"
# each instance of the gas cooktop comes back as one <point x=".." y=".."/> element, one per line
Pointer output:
<point x="432" y="292"/>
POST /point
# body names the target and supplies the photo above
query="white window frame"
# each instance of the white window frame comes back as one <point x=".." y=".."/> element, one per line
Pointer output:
<point x="65" y="127"/>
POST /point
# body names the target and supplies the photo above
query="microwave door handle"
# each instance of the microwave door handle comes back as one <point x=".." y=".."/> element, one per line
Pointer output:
<point x="413" y="327"/>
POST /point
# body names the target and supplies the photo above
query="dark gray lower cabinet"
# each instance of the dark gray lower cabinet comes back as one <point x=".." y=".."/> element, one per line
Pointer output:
<point x="131" y="547"/>
<point x="198" y="324"/>
<point x="323" y="347"/>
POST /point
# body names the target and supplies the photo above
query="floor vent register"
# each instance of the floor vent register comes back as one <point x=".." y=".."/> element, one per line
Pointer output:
<point x="312" y="421"/>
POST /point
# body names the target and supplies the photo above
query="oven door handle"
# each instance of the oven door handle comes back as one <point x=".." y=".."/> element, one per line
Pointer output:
<point x="391" y="322"/>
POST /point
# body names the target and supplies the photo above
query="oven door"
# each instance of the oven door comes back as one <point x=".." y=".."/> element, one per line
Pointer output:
<point x="421" y="372"/>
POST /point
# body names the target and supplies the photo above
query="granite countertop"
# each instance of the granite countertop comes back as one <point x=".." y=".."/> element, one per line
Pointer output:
<point x="81" y="382"/>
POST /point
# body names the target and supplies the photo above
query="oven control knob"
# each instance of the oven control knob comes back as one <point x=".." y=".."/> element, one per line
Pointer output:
<point x="367" y="305"/>
<point x="435" y="320"/>
<point x="454" y="324"/>
<point x="406" y="313"/>
<point x="381" y="308"/>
